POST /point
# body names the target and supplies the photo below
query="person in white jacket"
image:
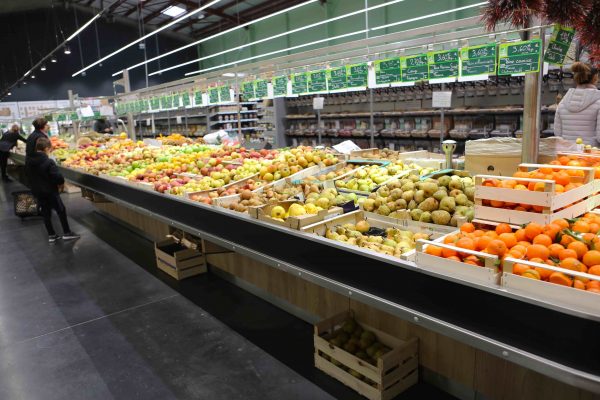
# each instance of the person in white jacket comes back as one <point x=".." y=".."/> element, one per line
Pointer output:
<point x="578" y="114"/>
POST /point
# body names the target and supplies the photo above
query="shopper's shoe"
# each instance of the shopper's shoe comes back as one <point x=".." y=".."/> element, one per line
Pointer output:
<point x="53" y="238"/>
<point x="70" y="236"/>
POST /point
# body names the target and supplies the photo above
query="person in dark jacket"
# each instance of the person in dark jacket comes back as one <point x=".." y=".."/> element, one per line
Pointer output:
<point x="42" y="127"/>
<point x="7" y="142"/>
<point x="46" y="184"/>
<point x="101" y="125"/>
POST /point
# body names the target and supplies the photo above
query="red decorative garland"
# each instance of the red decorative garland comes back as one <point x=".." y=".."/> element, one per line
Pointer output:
<point x="515" y="12"/>
<point x="566" y="12"/>
<point x="588" y="29"/>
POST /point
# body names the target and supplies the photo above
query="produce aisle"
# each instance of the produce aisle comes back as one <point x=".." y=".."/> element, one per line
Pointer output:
<point x="82" y="320"/>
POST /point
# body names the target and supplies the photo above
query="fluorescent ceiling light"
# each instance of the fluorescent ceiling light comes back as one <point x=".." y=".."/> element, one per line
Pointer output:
<point x="43" y="68"/>
<point x="233" y="75"/>
<point x="27" y="73"/>
<point x="173" y="11"/>
<point x="437" y="14"/>
<point x="78" y="31"/>
<point x="162" y="28"/>
<point x="53" y="59"/>
<point x="334" y="38"/>
<point x="217" y="35"/>
<point x="278" y="51"/>
<point x="361" y="11"/>
<point x="67" y="49"/>
<point x="9" y="93"/>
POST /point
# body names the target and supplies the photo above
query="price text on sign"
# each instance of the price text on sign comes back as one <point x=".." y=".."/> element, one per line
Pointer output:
<point x="299" y="83"/>
<point x="261" y="89"/>
<point x="478" y="60"/>
<point x="197" y="98"/>
<point x="336" y="78"/>
<point x="414" y="68"/>
<point x="213" y="95"/>
<point x="443" y="64"/>
<point x="280" y="85"/>
<point x="357" y="75"/>
<point x="519" y="57"/>
<point x="248" y="90"/>
<point x="387" y="71"/>
<point x="559" y="45"/>
<point x="317" y="81"/>
<point x="225" y="94"/>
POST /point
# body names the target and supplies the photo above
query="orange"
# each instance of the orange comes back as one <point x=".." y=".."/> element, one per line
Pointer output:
<point x="518" y="269"/>
<point x="503" y="228"/>
<point x="551" y="230"/>
<point x="555" y="249"/>
<point x="532" y="274"/>
<point x="465" y="243"/>
<point x="594" y="290"/>
<point x="592" y="284"/>
<point x="497" y="203"/>
<point x="542" y="239"/>
<point x="491" y="234"/>
<point x="483" y="242"/>
<point x="563" y="160"/>
<point x="591" y="258"/>
<point x="544" y="273"/>
<point x="467" y="227"/>
<point x="578" y="284"/>
<point x="520" y="235"/>
<point x="560" y="279"/>
<point x="562" y="223"/>
<point x="454" y="258"/>
<point x="450" y="239"/>
<point x="519" y="248"/>
<point x="514" y="254"/>
<point x="546" y="170"/>
<point x="448" y="253"/>
<point x="594" y="270"/>
<point x="532" y="230"/>
<point x="594" y="227"/>
<point x="538" y="251"/>
<point x="434" y="250"/>
<point x="478" y="233"/>
<point x="566" y="240"/>
<point x="562" y="178"/>
<point x="509" y="239"/>
<point x="570" y="263"/>
<point x="496" y="247"/>
<point x="579" y="247"/>
<point x="567" y="253"/>
<point x="524" y="243"/>
<point x="581" y="226"/>
<point x="473" y="260"/>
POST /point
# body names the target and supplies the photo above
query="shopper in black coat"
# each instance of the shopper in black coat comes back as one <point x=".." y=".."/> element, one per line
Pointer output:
<point x="42" y="127"/>
<point x="7" y="142"/>
<point x="46" y="184"/>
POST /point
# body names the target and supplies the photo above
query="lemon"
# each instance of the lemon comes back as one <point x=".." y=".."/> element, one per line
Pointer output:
<point x="579" y="141"/>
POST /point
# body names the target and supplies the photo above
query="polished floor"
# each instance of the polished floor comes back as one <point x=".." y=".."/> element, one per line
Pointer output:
<point x="94" y="319"/>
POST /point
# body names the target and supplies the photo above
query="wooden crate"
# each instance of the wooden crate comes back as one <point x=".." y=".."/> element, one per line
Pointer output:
<point x="551" y="293"/>
<point x="177" y="260"/>
<point x="93" y="196"/>
<point x="570" y="204"/>
<point x="395" y="371"/>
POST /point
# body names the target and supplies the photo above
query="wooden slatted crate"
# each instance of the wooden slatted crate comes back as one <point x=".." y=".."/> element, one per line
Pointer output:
<point x="394" y="372"/>
<point x="177" y="260"/>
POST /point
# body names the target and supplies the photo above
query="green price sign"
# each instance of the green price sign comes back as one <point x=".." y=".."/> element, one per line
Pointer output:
<point x="519" y="57"/>
<point x="414" y="68"/>
<point x="163" y="103"/>
<point x="175" y="101"/>
<point x="185" y="99"/>
<point x="225" y="94"/>
<point x="478" y="60"/>
<point x="198" y="100"/>
<point x="261" y="89"/>
<point x="559" y="45"/>
<point x="317" y="81"/>
<point x="248" y="91"/>
<point x="280" y="86"/>
<point x="155" y="103"/>
<point x="74" y="117"/>
<point x="357" y="75"/>
<point x="213" y="95"/>
<point x="299" y="83"/>
<point x="387" y="71"/>
<point x="336" y="79"/>
<point x="443" y="64"/>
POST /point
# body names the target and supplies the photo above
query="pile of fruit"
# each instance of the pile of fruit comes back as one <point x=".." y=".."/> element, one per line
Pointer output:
<point x="328" y="197"/>
<point x="279" y="213"/>
<point x="174" y="139"/>
<point x="391" y="241"/>
<point x="369" y="177"/>
<point x="440" y="201"/>
<point x="294" y="160"/>
<point x="359" y="342"/>
<point x="580" y="160"/>
<point x="566" y="244"/>
<point x="58" y="143"/>
<point x="330" y="175"/>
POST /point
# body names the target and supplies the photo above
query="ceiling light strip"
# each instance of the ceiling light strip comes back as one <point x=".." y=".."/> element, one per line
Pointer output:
<point x="187" y="46"/>
<point x="78" y="31"/>
<point x="162" y="28"/>
<point x="361" y="11"/>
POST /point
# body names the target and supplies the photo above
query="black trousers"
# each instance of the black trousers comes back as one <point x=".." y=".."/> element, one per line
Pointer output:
<point x="51" y="202"/>
<point x="4" y="162"/>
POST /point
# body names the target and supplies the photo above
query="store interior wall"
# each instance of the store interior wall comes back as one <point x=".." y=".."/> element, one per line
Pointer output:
<point x="55" y="82"/>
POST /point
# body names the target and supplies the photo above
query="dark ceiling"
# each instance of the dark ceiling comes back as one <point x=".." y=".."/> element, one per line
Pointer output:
<point x="31" y="29"/>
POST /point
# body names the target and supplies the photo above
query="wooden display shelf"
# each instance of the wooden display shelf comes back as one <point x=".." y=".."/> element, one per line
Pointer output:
<point x="394" y="372"/>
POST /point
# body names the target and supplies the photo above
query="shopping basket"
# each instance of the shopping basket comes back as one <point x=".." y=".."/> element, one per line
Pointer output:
<point x="25" y="204"/>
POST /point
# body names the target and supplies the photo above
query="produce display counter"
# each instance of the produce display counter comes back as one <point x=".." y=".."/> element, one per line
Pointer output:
<point x="458" y="320"/>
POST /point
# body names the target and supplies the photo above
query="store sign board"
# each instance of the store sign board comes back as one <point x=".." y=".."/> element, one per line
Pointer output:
<point x="443" y="64"/>
<point x="198" y="100"/>
<point x="299" y="83"/>
<point x="213" y="95"/>
<point x="387" y="71"/>
<point x="317" y="81"/>
<point x="519" y="57"/>
<point x="559" y="44"/>
<point x="248" y="90"/>
<point x="336" y="79"/>
<point x="225" y="94"/>
<point x="357" y="76"/>
<point x="261" y="88"/>
<point x="185" y="99"/>
<point x="176" y="101"/>
<point x="478" y="60"/>
<point x="280" y="86"/>
<point x="414" y="68"/>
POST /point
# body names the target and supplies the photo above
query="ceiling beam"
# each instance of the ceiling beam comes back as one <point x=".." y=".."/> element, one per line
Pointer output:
<point x="130" y="11"/>
<point x="193" y="21"/>
<point x="259" y="11"/>
<point x="115" y="5"/>
<point x="158" y="11"/>
<point x="212" y="11"/>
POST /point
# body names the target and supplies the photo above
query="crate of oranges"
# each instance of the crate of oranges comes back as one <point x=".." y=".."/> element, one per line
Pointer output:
<point x="473" y="253"/>
<point x="546" y="193"/>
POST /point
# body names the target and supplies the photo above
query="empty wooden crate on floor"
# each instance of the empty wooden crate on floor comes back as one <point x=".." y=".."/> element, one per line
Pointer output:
<point x="177" y="260"/>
